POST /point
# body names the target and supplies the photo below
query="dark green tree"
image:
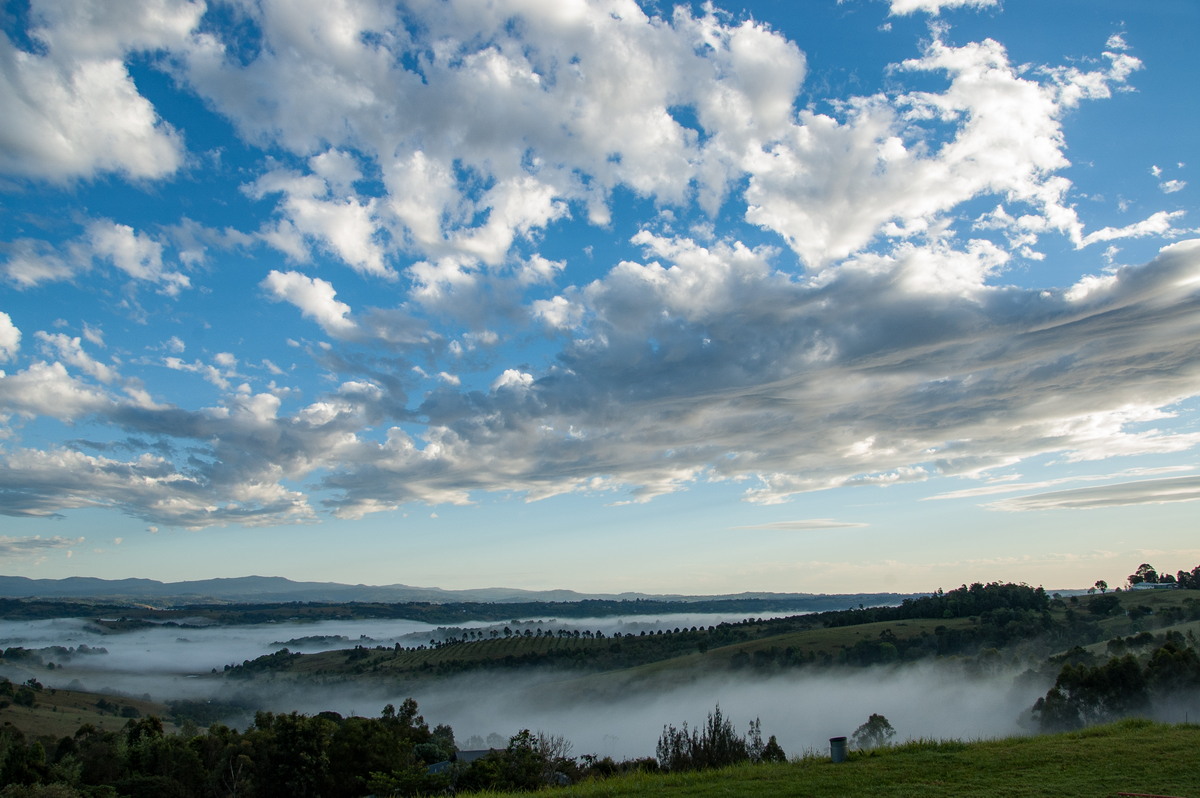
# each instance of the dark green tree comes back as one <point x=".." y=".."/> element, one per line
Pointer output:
<point x="1145" y="573"/>
<point x="772" y="752"/>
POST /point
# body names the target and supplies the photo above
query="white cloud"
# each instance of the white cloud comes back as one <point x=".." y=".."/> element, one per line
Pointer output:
<point x="70" y="350"/>
<point x="10" y="337"/>
<point x="46" y="389"/>
<point x="492" y="129"/>
<point x="1157" y="225"/>
<point x="73" y="110"/>
<point x="214" y="375"/>
<point x="512" y="379"/>
<point x="903" y="7"/>
<point x="136" y="254"/>
<point x="342" y="223"/>
<point x="315" y="298"/>
<point x="93" y="335"/>
<point x="830" y="187"/>
<point x="557" y="312"/>
<point x="32" y="262"/>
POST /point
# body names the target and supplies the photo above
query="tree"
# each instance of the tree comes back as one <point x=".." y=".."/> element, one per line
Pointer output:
<point x="1189" y="580"/>
<point x="772" y="752"/>
<point x="1101" y="585"/>
<point x="1084" y="694"/>
<point x="875" y="732"/>
<point x="1144" y="573"/>
<point x="1104" y="606"/>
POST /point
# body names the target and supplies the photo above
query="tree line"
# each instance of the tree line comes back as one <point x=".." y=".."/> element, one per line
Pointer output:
<point x="329" y="756"/>
<point x="1088" y="691"/>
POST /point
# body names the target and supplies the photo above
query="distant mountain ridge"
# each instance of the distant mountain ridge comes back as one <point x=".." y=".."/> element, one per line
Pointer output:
<point x="249" y="589"/>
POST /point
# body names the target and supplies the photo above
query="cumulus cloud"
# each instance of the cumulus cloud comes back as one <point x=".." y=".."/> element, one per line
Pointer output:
<point x="315" y="298"/>
<point x="10" y="337"/>
<point x="48" y="389"/>
<point x="832" y="186"/>
<point x="904" y="7"/>
<point x="72" y="110"/>
<point x="312" y="208"/>
<point x="867" y="336"/>
<point x="138" y="255"/>
<point x="484" y="139"/>
<point x="70" y="351"/>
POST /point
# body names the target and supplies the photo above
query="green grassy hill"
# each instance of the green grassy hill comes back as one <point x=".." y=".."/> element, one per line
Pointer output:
<point x="1133" y="756"/>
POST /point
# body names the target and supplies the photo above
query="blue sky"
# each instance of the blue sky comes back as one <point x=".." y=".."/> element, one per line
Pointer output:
<point x="815" y="296"/>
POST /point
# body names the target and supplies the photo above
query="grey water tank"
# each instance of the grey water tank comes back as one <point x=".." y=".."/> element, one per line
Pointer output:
<point x="837" y="749"/>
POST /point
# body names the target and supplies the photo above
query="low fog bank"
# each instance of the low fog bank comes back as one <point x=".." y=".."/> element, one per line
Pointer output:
<point x="802" y="709"/>
<point x="173" y="649"/>
<point x="197" y="649"/>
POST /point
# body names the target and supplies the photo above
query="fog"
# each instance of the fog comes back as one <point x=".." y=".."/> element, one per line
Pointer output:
<point x="199" y="646"/>
<point x="803" y="708"/>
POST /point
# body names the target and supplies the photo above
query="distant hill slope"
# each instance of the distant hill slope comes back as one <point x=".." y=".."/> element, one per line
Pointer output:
<point x="250" y="589"/>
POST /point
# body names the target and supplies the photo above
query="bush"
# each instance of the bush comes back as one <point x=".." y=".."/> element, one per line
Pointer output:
<point x="714" y="745"/>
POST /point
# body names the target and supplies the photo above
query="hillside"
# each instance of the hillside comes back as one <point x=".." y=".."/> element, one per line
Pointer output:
<point x="867" y="636"/>
<point x="1130" y="757"/>
<point x="58" y="712"/>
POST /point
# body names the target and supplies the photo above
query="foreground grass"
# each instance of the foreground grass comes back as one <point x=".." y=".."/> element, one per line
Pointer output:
<point x="1133" y="756"/>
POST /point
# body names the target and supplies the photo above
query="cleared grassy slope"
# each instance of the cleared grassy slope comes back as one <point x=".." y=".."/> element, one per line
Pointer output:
<point x="1132" y="756"/>
<point x="60" y="713"/>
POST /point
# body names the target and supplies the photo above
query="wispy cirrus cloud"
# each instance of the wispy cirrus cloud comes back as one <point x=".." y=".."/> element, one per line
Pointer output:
<point x="1124" y="494"/>
<point x="1014" y="485"/>
<point x="35" y="546"/>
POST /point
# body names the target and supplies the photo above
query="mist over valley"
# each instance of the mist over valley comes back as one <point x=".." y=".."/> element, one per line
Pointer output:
<point x="804" y="709"/>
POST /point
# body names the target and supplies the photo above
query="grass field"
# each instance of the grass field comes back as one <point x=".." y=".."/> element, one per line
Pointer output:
<point x="1133" y="756"/>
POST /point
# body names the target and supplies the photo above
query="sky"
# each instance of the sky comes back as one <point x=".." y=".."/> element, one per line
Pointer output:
<point x="820" y="296"/>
